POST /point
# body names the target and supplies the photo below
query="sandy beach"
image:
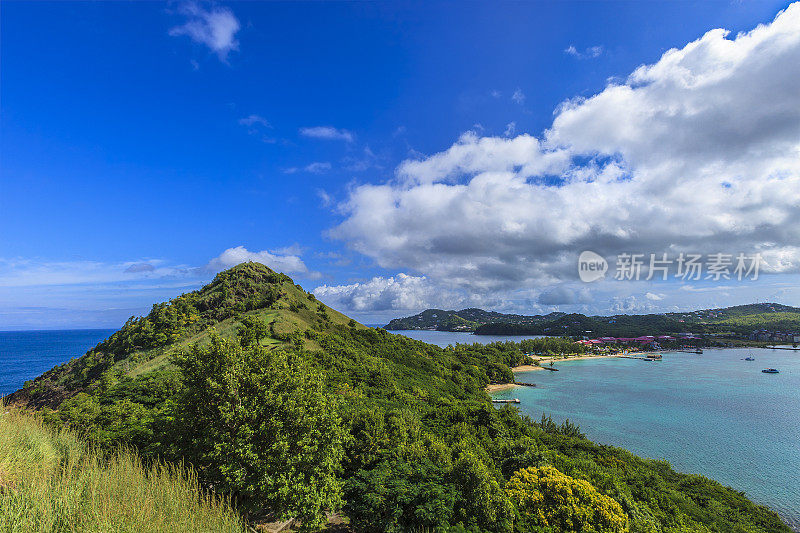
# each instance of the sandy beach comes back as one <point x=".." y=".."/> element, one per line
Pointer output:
<point x="542" y="360"/>
<point x="494" y="387"/>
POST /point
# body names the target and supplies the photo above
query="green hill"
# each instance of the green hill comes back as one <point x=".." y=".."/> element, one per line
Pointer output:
<point x="294" y="410"/>
<point x="464" y="320"/>
<point x="741" y="320"/>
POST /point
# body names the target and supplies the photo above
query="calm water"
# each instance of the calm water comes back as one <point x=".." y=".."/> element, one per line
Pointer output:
<point x="27" y="354"/>
<point x="444" y="338"/>
<point x="712" y="414"/>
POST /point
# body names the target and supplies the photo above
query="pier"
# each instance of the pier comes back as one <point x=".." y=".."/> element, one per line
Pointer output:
<point x="513" y="400"/>
<point x="550" y="368"/>
<point x="784" y="348"/>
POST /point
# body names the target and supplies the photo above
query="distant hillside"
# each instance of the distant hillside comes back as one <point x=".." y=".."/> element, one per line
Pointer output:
<point x="293" y="410"/>
<point x="741" y="319"/>
<point x="464" y="320"/>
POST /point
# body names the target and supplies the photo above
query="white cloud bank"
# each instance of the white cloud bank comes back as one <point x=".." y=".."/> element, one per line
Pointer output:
<point x="699" y="151"/>
<point x="215" y="27"/>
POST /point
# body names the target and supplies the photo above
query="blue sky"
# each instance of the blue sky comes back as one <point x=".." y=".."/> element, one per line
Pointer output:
<point x="373" y="152"/>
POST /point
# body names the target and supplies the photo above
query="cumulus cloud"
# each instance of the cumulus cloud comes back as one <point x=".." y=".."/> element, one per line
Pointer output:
<point x="215" y="27"/>
<point x="564" y="295"/>
<point x="697" y="152"/>
<point x="286" y="263"/>
<point x="328" y="133"/>
<point x="378" y="294"/>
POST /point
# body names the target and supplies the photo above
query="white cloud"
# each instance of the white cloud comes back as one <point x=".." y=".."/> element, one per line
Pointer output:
<point x="378" y="294"/>
<point x="288" y="264"/>
<point x="327" y="132"/>
<point x="654" y="297"/>
<point x="254" y="120"/>
<point x="318" y="167"/>
<point x="215" y="27"/>
<point x="590" y="52"/>
<point x="697" y="152"/>
<point x="518" y="97"/>
<point x="511" y="127"/>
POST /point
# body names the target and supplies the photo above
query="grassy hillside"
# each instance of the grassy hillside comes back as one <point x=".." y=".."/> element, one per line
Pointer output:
<point x="144" y="346"/>
<point x="291" y="408"/>
<point x="50" y="481"/>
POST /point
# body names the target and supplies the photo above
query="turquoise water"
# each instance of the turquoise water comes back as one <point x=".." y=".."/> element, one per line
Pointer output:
<point x="444" y="338"/>
<point x="712" y="414"/>
<point x="27" y="354"/>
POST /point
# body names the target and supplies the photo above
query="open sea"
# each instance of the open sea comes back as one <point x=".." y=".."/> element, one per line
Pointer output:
<point x="712" y="414"/>
<point x="27" y="354"/>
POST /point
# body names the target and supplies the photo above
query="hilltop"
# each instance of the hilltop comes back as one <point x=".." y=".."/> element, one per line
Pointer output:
<point x="294" y="410"/>
<point x="740" y="320"/>
<point x="145" y="345"/>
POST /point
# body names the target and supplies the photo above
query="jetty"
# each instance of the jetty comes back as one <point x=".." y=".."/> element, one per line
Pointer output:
<point x="784" y="348"/>
<point x="550" y="368"/>
<point x="513" y="400"/>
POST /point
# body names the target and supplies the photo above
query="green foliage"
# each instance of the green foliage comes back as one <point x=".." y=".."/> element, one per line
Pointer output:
<point x="252" y="331"/>
<point x="549" y="501"/>
<point x="51" y="482"/>
<point x="258" y="425"/>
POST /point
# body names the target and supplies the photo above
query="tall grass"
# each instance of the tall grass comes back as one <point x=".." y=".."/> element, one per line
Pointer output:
<point x="50" y="481"/>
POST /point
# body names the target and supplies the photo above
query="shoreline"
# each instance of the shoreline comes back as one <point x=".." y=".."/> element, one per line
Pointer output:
<point x="496" y="387"/>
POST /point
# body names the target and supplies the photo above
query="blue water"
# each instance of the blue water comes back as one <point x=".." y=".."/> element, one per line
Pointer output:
<point x="712" y="414"/>
<point x="27" y="354"/>
<point x="444" y="338"/>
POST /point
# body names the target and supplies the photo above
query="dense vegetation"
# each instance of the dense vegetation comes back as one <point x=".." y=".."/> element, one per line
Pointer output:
<point x="464" y="320"/>
<point x="741" y="319"/>
<point x="52" y="482"/>
<point x="294" y="409"/>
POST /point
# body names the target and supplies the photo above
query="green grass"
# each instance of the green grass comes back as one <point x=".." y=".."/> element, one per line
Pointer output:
<point x="50" y="481"/>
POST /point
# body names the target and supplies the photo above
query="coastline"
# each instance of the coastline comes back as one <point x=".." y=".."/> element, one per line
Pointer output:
<point x="496" y="387"/>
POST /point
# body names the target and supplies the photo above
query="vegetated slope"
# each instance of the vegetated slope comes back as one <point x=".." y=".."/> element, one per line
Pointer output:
<point x="295" y="408"/>
<point x="50" y="481"/>
<point x="741" y="319"/>
<point x="144" y="345"/>
<point x="464" y="320"/>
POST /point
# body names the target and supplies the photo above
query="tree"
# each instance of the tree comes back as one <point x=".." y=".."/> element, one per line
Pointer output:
<point x="252" y="331"/>
<point x="548" y="500"/>
<point x="256" y="423"/>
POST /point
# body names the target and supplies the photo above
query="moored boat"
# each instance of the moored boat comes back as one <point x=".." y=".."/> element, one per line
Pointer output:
<point x="770" y="371"/>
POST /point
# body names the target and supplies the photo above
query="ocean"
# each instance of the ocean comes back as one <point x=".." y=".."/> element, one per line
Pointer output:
<point x="712" y="414"/>
<point x="25" y="355"/>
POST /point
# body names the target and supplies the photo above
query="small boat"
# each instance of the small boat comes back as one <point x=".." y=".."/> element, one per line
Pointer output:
<point x="698" y="351"/>
<point x="770" y="371"/>
<point x="749" y="358"/>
